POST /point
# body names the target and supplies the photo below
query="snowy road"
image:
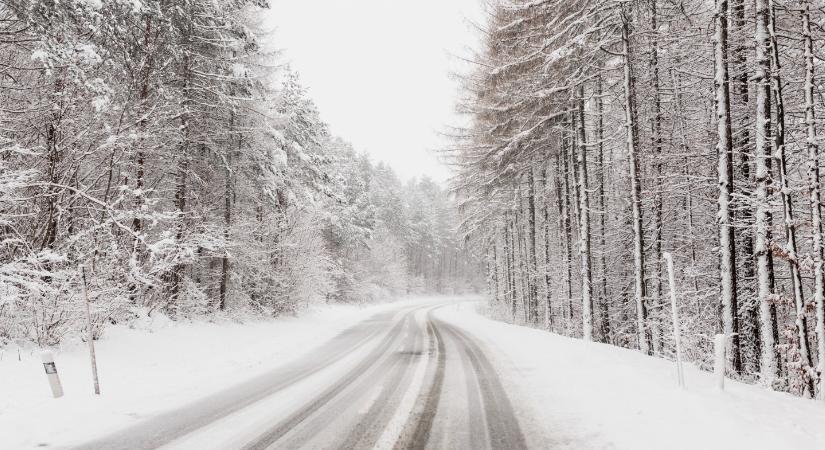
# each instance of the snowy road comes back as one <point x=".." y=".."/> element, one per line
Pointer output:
<point x="402" y="379"/>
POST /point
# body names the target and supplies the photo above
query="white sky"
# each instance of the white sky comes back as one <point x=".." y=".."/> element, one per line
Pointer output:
<point x="379" y="71"/>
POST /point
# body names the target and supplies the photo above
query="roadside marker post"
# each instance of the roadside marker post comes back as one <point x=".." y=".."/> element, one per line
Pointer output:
<point x="51" y="374"/>
<point x="90" y="333"/>
<point x="677" y="335"/>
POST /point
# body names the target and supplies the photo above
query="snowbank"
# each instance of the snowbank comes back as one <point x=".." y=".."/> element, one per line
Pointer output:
<point x="594" y="396"/>
<point x="155" y="366"/>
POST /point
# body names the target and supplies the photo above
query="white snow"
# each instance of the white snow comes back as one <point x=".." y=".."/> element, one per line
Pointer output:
<point x="155" y="367"/>
<point x="568" y="393"/>
<point x="395" y="427"/>
<point x="593" y="396"/>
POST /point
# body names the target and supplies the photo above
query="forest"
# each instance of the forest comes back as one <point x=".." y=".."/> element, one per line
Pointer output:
<point x="602" y="136"/>
<point x="451" y="224"/>
<point x="163" y="157"/>
<point x="160" y="156"/>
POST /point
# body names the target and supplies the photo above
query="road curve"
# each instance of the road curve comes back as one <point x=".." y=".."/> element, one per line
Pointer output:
<point x="402" y="379"/>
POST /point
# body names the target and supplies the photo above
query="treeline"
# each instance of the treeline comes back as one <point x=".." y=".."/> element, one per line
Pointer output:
<point x="603" y="135"/>
<point x="160" y="146"/>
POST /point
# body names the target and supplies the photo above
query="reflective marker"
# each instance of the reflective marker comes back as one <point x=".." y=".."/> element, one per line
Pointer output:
<point x="51" y="374"/>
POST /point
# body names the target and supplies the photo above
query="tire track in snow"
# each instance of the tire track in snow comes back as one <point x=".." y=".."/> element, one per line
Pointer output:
<point x="503" y="428"/>
<point x="389" y="395"/>
<point x="418" y="437"/>
<point x="167" y="427"/>
<point x="273" y="435"/>
<point x="370" y="429"/>
<point x="394" y="429"/>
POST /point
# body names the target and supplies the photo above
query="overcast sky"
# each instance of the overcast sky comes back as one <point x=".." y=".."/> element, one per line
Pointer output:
<point x="379" y="70"/>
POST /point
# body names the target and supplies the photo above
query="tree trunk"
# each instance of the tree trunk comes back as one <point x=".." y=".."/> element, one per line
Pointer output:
<point x="495" y="269"/>
<point x="524" y="287"/>
<point x="548" y="301"/>
<point x="749" y="314"/>
<point x="603" y="302"/>
<point x="568" y="232"/>
<point x="814" y="196"/>
<point x="635" y="187"/>
<point x="779" y="140"/>
<point x="513" y="304"/>
<point x="584" y="220"/>
<point x="727" y="243"/>
<point x="763" y="181"/>
<point x="140" y="158"/>
<point x="52" y="195"/>
<point x="506" y="255"/>
<point x="227" y="222"/>
<point x="656" y="136"/>
<point x="532" y="220"/>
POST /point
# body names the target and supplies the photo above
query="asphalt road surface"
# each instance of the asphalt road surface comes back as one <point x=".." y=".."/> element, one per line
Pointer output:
<point x="399" y="380"/>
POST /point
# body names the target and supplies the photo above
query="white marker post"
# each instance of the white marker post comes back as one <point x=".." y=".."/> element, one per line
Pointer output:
<point x="51" y="374"/>
<point x="677" y="335"/>
<point x="90" y="333"/>
<point x="720" y="359"/>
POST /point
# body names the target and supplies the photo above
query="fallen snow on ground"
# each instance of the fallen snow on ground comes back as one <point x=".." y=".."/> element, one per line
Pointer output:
<point x="593" y="396"/>
<point x="155" y="366"/>
<point x="568" y="393"/>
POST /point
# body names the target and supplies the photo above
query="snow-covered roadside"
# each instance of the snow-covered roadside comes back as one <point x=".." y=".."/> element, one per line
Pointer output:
<point x="595" y="396"/>
<point x="152" y="368"/>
